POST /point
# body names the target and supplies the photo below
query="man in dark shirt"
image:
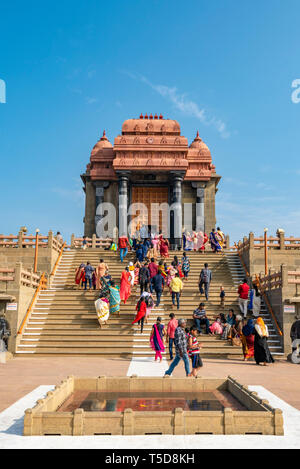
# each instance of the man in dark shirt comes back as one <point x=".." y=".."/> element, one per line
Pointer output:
<point x="144" y="278"/>
<point x="205" y="279"/>
<point x="200" y="318"/>
<point x="181" y="343"/>
<point x="88" y="275"/>
<point x="158" y="283"/>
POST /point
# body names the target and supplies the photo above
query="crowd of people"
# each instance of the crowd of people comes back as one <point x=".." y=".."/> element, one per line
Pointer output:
<point x="152" y="273"/>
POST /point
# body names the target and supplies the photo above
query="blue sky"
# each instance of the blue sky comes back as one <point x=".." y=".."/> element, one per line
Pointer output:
<point x="75" y="68"/>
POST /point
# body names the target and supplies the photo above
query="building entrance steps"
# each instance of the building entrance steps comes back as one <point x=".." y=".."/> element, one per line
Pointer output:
<point x="64" y="322"/>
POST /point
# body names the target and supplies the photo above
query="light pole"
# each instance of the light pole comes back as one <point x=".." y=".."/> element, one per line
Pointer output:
<point x="266" y="250"/>
<point x="36" y="249"/>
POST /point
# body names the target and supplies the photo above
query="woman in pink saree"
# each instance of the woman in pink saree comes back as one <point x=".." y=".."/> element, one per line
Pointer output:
<point x="157" y="339"/>
<point x="200" y="241"/>
<point x="155" y="242"/>
<point x="163" y="247"/>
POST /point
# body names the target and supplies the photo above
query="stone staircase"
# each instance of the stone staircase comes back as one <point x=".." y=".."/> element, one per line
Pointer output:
<point x="64" y="322"/>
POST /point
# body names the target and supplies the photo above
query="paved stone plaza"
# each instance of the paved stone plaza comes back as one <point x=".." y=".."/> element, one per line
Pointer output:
<point x="22" y="375"/>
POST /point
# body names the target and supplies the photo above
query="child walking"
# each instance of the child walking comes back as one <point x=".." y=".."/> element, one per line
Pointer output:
<point x="194" y="351"/>
<point x="222" y="296"/>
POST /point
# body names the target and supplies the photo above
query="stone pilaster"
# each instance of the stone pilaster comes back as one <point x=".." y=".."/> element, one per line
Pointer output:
<point x="99" y="200"/>
<point x="123" y="202"/>
<point x="176" y="218"/>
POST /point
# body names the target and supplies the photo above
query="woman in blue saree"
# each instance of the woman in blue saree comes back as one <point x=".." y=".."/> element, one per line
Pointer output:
<point x="214" y="242"/>
<point x="114" y="298"/>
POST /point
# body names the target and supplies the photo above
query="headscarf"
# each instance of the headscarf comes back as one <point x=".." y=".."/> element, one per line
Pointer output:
<point x="248" y="329"/>
<point x="261" y="324"/>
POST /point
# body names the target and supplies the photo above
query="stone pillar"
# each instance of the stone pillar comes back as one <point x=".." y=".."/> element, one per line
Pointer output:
<point x="99" y="199"/>
<point x="90" y="209"/>
<point x="200" y="215"/>
<point x="123" y="203"/>
<point x="176" y="220"/>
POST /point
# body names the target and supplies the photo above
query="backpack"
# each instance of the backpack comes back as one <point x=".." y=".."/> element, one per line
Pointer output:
<point x="149" y="302"/>
<point x="204" y="276"/>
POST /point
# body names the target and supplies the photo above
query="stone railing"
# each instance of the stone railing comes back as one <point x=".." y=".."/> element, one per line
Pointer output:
<point x="18" y="291"/>
<point x="273" y="242"/>
<point x="18" y="276"/>
<point x="281" y="290"/>
<point x="29" y="241"/>
<point x="93" y="242"/>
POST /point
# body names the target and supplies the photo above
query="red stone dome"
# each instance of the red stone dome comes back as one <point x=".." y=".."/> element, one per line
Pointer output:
<point x="199" y="145"/>
<point x="102" y="143"/>
<point x="148" y="125"/>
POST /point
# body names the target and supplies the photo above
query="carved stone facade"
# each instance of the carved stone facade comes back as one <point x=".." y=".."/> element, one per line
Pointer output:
<point x="151" y="152"/>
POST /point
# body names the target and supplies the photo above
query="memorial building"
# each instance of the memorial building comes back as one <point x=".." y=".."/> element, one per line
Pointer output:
<point x="152" y="164"/>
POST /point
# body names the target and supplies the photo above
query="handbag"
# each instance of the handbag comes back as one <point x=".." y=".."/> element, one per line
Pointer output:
<point x="236" y="342"/>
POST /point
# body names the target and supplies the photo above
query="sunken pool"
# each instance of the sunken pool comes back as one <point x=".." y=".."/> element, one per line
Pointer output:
<point x="137" y="405"/>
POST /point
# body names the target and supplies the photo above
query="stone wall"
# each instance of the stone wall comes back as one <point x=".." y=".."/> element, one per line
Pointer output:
<point x="21" y="291"/>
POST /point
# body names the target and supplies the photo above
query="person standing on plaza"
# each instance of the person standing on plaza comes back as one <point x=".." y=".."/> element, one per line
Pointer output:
<point x="247" y="338"/>
<point x="200" y="318"/>
<point x="123" y="245"/>
<point x="172" y="326"/>
<point x="181" y="345"/>
<point x="194" y="351"/>
<point x="243" y="292"/>
<point x="176" y="287"/>
<point x="262" y="353"/>
<point x="204" y="279"/>
<point x="157" y="339"/>
<point x="158" y="283"/>
<point x="88" y="275"/>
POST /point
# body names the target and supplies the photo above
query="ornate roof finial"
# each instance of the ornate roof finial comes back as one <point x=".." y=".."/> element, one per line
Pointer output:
<point x="197" y="134"/>
<point x="156" y="116"/>
<point x="146" y="116"/>
<point x="141" y="116"/>
<point x="151" y="117"/>
<point x="160" y="116"/>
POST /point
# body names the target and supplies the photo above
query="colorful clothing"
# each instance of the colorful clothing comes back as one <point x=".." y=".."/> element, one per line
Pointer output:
<point x="114" y="299"/>
<point x="125" y="288"/>
<point x="102" y="310"/>
<point x="186" y="265"/>
<point x="214" y="242"/>
<point x="80" y="274"/>
<point x="164" y="247"/>
<point x="156" y="340"/>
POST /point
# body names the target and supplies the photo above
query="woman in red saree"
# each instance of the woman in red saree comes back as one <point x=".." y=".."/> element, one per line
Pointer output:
<point x="163" y="247"/>
<point x="80" y="275"/>
<point x="141" y="309"/>
<point x="125" y="287"/>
